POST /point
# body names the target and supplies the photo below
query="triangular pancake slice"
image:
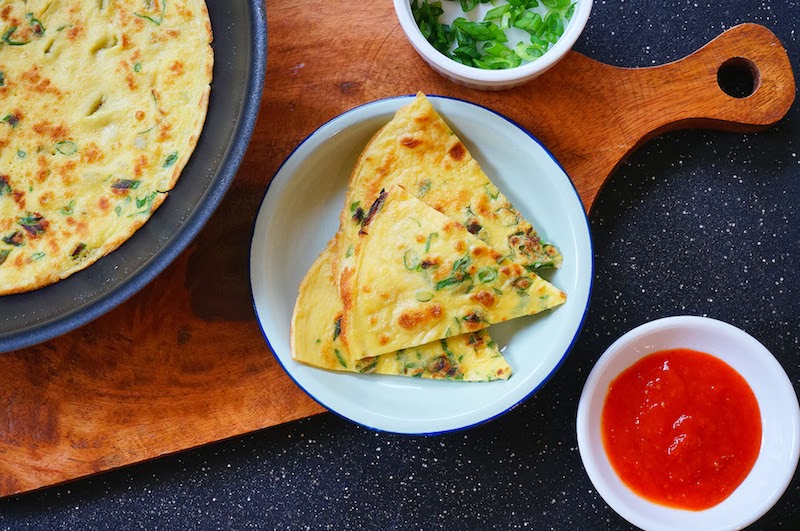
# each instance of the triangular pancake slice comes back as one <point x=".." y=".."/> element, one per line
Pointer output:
<point x="420" y="152"/>
<point x="316" y="340"/>
<point x="420" y="276"/>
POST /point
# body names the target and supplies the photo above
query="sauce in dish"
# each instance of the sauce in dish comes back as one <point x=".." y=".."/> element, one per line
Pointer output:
<point x="681" y="428"/>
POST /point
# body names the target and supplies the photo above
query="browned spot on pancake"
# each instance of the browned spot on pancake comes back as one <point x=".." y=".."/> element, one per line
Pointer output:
<point x="22" y="31"/>
<point x="5" y="12"/>
<point x="65" y="171"/>
<point x="478" y="251"/>
<point x="458" y="151"/>
<point x="53" y="132"/>
<point x="184" y="12"/>
<point x="430" y="262"/>
<point x="473" y="322"/>
<point x="36" y="227"/>
<point x="484" y="297"/>
<point x="460" y="246"/>
<point x="167" y="36"/>
<point x="80" y="226"/>
<point x="69" y="179"/>
<point x="451" y="225"/>
<point x="126" y="41"/>
<point x="34" y="82"/>
<point x="75" y="32"/>
<point x="511" y="270"/>
<point x="409" y="141"/>
<point x="482" y="206"/>
<point x="177" y="68"/>
<point x="475" y="341"/>
<point x="139" y="116"/>
<point x="164" y="132"/>
<point x="91" y="153"/>
<point x="414" y="318"/>
<point x="383" y="339"/>
<point x="388" y="165"/>
<point x="119" y="191"/>
<point x="138" y="24"/>
<point x="141" y="164"/>
<point x="46" y="199"/>
<point x="16" y="239"/>
<point x="14" y="117"/>
<point x="103" y="204"/>
<point x="346" y="280"/>
<point x="440" y="366"/>
<point x="422" y="119"/>
<point x="19" y="198"/>
<point x="131" y="81"/>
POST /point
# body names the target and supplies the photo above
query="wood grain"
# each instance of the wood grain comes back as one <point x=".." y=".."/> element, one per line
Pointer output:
<point x="184" y="363"/>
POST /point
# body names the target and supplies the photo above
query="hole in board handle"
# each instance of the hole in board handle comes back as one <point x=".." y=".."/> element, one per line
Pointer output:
<point x="738" y="77"/>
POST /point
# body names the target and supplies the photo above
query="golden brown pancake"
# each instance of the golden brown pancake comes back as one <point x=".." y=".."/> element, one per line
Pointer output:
<point x="420" y="276"/>
<point x="420" y="152"/>
<point x="316" y="339"/>
<point x="101" y="106"/>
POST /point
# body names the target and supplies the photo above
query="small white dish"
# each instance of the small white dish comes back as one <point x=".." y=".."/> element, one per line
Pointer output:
<point x="300" y="214"/>
<point x="478" y="78"/>
<point x="780" y="417"/>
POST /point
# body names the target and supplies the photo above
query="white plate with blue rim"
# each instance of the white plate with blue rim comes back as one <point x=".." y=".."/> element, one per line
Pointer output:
<point x="300" y="213"/>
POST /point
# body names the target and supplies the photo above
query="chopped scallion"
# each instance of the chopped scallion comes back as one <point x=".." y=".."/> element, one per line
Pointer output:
<point x="481" y="43"/>
<point x="66" y="147"/>
<point x="171" y="159"/>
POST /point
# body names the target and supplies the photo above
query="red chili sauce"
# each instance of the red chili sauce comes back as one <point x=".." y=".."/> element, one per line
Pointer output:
<point x="681" y="428"/>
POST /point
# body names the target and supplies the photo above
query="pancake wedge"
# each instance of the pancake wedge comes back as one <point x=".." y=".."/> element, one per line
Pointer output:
<point x="420" y="152"/>
<point x="101" y="106"/>
<point x="420" y="276"/>
<point x="316" y="339"/>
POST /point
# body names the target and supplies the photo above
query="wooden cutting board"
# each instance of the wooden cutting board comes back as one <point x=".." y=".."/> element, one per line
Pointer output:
<point x="184" y="363"/>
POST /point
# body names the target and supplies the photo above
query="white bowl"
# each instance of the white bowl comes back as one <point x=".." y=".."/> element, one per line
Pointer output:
<point x="300" y="213"/>
<point x="780" y="417"/>
<point x="478" y="78"/>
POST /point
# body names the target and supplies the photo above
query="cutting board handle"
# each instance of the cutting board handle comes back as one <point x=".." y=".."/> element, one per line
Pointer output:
<point x="744" y="50"/>
<point x="621" y="108"/>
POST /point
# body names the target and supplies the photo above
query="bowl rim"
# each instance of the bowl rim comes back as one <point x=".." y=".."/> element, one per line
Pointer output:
<point x="378" y="422"/>
<point x="565" y="43"/>
<point x="641" y="512"/>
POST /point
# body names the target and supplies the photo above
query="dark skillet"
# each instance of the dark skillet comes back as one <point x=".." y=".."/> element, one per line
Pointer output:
<point x="240" y="57"/>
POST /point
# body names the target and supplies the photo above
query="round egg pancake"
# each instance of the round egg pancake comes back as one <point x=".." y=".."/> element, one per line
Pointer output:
<point x="101" y="106"/>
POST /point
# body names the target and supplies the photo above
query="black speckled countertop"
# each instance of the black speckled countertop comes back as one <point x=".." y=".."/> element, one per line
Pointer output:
<point x="695" y="222"/>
